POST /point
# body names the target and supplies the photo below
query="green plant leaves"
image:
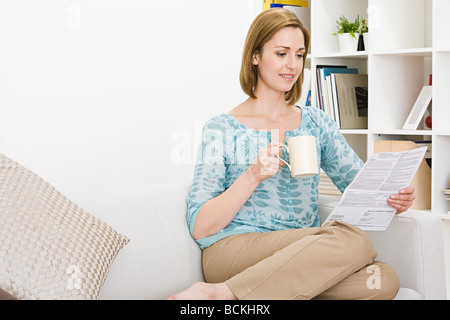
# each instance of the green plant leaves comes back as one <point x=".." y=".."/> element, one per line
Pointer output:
<point x="343" y="25"/>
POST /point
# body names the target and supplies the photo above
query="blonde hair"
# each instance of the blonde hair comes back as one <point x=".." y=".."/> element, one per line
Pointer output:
<point x="263" y="28"/>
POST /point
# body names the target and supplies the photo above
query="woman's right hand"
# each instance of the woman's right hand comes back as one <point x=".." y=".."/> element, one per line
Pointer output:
<point x="266" y="164"/>
<point x="218" y="212"/>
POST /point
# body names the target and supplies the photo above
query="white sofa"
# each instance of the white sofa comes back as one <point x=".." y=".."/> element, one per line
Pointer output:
<point x="162" y="258"/>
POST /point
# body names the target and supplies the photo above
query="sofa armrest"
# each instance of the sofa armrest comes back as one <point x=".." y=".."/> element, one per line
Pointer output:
<point x="413" y="244"/>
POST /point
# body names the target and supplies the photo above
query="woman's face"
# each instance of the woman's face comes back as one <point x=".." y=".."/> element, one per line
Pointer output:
<point x="281" y="61"/>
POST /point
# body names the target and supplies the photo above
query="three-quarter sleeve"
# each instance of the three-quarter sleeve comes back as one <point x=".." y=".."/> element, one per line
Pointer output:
<point x="210" y="167"/>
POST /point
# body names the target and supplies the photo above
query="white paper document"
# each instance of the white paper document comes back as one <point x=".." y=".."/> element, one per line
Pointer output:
<point x="364" y="202"/>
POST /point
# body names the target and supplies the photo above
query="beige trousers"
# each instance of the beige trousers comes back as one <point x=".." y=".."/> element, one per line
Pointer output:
<point x="335" y="261"/>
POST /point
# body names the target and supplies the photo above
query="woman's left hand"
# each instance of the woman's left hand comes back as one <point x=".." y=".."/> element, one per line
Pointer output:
<point x="403" y="200"/>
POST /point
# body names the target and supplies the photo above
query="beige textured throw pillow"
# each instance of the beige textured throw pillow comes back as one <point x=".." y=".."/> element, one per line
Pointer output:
<point x="49" y="247"/>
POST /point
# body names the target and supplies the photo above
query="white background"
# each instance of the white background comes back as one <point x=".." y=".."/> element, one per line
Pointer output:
<point x="99" y="94"/>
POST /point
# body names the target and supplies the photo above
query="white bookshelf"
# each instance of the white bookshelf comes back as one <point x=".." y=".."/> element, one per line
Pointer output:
<point x="408" y="40"/>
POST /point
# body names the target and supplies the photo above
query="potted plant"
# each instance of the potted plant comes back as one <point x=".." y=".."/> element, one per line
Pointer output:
<point x="347" y="33"/>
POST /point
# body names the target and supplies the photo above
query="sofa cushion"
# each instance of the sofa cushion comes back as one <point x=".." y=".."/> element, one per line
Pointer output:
<point x="50" y="248"/>
<point x="162" y="259"/>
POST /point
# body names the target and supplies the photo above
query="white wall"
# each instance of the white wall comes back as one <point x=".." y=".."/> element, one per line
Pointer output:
<point x="102" y="93"/>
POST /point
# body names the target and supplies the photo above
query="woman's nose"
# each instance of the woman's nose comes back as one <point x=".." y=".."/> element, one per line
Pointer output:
<point x="290" y="63"/>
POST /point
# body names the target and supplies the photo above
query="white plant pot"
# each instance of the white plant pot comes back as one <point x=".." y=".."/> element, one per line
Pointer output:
<point x="347" y="43"/>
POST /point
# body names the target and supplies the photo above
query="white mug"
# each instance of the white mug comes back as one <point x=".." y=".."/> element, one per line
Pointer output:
<point x="302" y="156"/>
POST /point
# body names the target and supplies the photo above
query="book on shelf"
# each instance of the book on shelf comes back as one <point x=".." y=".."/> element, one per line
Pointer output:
<point x="329" y="91"/>
<point x="267" y="4"/>
<point x="343" y="98"/>
<point x="352" y="99"/>
<point x="319" y="85"/>
<point x="308" y="99"/>
<point x="335" y="101"/>
<point x="428" y="153"/>
<point x="306" y="88"/>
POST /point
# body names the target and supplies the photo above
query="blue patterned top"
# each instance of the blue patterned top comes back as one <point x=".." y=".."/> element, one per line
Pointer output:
<point x="281" y="202"/>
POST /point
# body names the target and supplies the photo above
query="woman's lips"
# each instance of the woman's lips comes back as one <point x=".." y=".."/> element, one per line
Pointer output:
<point x="288" y="76"/>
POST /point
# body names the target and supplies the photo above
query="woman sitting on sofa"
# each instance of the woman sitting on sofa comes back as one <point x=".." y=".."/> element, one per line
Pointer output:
<point x="259" y="227"/>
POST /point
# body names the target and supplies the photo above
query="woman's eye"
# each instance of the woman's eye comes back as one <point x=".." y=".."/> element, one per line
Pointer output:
<point x="281" y="54"/>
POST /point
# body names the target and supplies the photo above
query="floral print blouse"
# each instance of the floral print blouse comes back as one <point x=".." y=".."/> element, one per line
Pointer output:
<point x="281" y="202"/>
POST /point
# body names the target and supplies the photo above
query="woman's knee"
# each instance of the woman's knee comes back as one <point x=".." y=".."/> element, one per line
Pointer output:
<point x="356" y="243"/>
<point x="383" y="282"/>
<point x="377" y="281"/>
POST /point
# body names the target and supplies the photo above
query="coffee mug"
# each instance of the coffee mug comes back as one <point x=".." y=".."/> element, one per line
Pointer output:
<point x="302" y="156"/>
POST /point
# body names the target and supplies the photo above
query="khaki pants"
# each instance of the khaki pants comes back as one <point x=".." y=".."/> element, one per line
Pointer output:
<point x="335" y="261"/>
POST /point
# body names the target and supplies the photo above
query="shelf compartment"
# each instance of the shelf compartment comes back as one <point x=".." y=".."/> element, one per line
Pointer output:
<point x="326" y="12"/>
<point x="386" y="135"/>
<point x="441" y="24"/>
<point x="400" y="24"/>
<point x="441" y="92"/>
<point x="396" y="81"/>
